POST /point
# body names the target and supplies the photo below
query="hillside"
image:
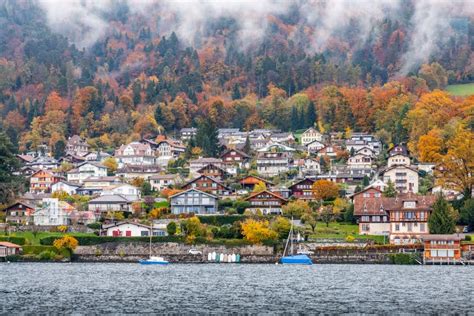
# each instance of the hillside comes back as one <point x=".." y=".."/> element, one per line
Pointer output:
<point x="126" y="70"/>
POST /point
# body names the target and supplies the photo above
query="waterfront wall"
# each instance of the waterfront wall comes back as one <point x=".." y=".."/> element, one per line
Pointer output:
<point x="179" y="253"/>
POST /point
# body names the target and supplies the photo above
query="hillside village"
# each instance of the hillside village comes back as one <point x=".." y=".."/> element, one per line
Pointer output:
<point x="340" y="177"/>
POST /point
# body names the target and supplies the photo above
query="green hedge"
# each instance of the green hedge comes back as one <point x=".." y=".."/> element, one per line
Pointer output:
<point x="96" y="240"/>
<point x="403" y="258"/>
<point x="219" y="220"/>
<point x="16" y="240"/>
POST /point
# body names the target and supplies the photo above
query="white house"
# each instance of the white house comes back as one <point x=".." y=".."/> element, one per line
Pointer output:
<point x="110" y="203"/>
<point x="64" y="186"/>
<point x="53" y="213"/>
<point x="311" y="135"/>
<point x="161" y="181"/>
<point x="314" y="146"/>
<point x="404" y="178"/>
<point x="398" y="160"/>
<point x="86" y="170"/>
<point x="135" y="153"/>
<point x="129" y="229"/>
<point x="193" y="201"/>
<point x="360" y="161"/>
<point x="129" y="191"/>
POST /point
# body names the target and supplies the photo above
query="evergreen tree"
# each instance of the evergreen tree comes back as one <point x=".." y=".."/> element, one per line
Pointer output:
<point x="310" y="117"/>
<point x="247" y="147"/>
<point x="236" y="95"/>
<point x="390" y="191"/>
<point x="467" y="213"/>
<point x="441" y="220"/>
<point x="10" y="184"/>
<point x="59" y="149"/>
<point x="189" y="148"/>
<point x="159" y="115"/>
<point x="365" y="181"/>
<point x="206" y="138"/>
<point x="294" y="118"/>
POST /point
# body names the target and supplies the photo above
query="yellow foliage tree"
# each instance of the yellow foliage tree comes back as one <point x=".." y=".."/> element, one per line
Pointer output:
<point x="430" y="146"/>
<point x="257" y="231"/>
<point x="456" y="169"/>
<point x="67" y="242"/>
<point x="296" y="208"/>
<point x="260" y="187"/>
<point x="111" y="164"/>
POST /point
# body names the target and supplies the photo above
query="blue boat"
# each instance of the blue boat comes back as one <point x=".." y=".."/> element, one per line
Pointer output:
<point x="290" y="257"/>
<point x="151" y="259"/>
<point x="296" y="259"/>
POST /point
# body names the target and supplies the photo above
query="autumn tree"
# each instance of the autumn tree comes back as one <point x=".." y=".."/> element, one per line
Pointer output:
<point x="389" y="190"/>
<point x="171" y="228"/>
<point x="259" y="187"/>
<point x="111" y="164"/>
<point x="67" y="242"/>
<point x="257" y="232"/>
<point x="297" y="208"/>
<point x="281" y="226"/>
<point x="327" y="214"/>
<point x="430" y="146"/>
<point x="456" y="169"/>
<point x="325" y="190"/>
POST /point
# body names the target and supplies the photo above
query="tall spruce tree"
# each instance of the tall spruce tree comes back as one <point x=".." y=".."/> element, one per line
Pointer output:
<point x="206" y="138"/>
<point x="389" y="190"/>
<point x="310" y="117"/>
<point x="10" y="184"/>
<point x="441" y="220"/>
<point x="247" y="147"/>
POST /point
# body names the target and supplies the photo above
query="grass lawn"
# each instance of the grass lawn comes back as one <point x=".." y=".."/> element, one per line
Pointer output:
<point x="298" y="133"/>
<point x="465" y="89"/>
<point x="341" y="231"/>
<point x="33" y="240"/>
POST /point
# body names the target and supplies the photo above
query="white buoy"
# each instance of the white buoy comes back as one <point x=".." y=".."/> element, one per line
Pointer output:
<point x="233" y="257"/>
<point x="214" y="255"/>
<point x="221" y="258"/>
<point x="209" y="256"/>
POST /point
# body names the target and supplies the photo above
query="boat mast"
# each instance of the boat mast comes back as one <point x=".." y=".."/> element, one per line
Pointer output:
<point x="151" y="235"/>
<point x="291" y="234"/>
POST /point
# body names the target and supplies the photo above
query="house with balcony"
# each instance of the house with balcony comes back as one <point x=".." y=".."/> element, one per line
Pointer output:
<point x="76" y="146"/>
<point x="42" y="180"/>
<point x="160" y="181"/>
<point x="131" y="229"/>
<point x="207" y="184"/>
<point x="132" y="193"/>
<point x="65" y="186"/>
<point x="360" y="161"/>
<point x="404" y="178"/>
<point x="130" y="172"/>
<point x="193" y="201"/>
<point x="196" y="164"/>
<point x="86" y="170"/>
<point x="135" y="153"/>
<point x="235" y="157"/>
<point x="110" y="203"/>
<point x="214" y="171"/>
<point x="311" y="135"/>
<point x="398" y="160"/>
<point x="249" y="182"/>
<point x="369" y="209"/>
<point x="19" y="213"/>
<point x="266" y="203"/>
<point x="303" y="189"/>
<point x="314" y="146"/>
<point x="439" y="249"/>
<point x="274" y="159"/>
<point x="187" y="133"/>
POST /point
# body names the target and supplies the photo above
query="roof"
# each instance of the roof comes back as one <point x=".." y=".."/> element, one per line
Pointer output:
<point x="237" y="151"/>
<point x="95" y="179"/>
<point x="20" y="202"/>
<point x="378" y="205"/>
<point x="27" y="158"/>
<point x="164" y="177"/>
<point x="266" y="191"/>
<point x="455" y="237"/>
<point x="112" y="198"/>
<point x="298" y="182"/>
<point x="365" y="189"/>
<point x="9" y="244"/>
<point x="206" y="160"/>
<point x="283" y="148"/>
<point x="182" y="192"/>
<point x="253" y="180"/>
<point x="72" y="184"/>
<point x="127" y="168"/>
<point x="204" y="176"/>
<point x="107" y="226"/>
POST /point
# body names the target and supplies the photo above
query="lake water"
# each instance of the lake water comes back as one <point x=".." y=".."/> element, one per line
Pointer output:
<point x="207" y="288"/>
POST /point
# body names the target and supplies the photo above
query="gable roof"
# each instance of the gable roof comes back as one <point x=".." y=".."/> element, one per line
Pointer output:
<point x="266" y="191"/>
<point x="379" y="205"/>
<point x="204" y="176"/>
<point x="19" y="202"/>
<point x="192" y="189"/>
<point x="298" y="182"/>
<point x="236" y="150"/>
<point x="112" y="198"/>
<point x="116" y="224"/>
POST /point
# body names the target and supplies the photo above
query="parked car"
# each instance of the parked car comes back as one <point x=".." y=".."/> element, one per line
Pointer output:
<point x="465" y="229"/>
<point x="194" y="252"/>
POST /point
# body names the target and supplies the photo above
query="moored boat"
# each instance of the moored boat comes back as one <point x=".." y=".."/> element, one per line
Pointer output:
<point x="154" y="260"/>
<point x="290" y="257"/>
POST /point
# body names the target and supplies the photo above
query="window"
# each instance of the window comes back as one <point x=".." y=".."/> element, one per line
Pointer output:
<point x="397" y="227"/>
<point x="144" y="233"/>
<point x="422" y="227"/>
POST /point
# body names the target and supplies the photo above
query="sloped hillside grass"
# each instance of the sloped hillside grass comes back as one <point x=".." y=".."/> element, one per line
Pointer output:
<point x="461" y="90"/>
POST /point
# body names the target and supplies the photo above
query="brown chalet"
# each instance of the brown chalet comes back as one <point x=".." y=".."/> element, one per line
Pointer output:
<point x="19" y="213"/>
<point x="235" y="156"/>
<point x="208" y="185"/>
<point x="266" y="202"/>
<point x="302" y="189"/>
<point x="249" y="182"/>
<point x="213" y="171"/>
